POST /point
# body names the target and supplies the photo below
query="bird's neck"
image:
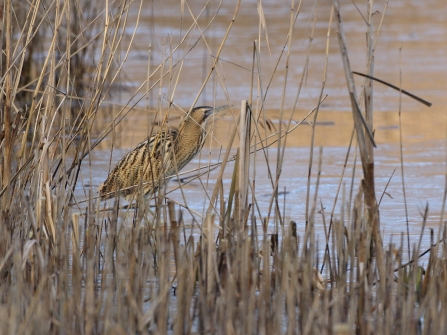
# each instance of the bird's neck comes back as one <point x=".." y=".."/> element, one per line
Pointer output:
<point x="189" y="142"/>
<point x="189" y="129"/>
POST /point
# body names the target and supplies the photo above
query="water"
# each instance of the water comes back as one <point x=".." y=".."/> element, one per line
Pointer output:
<point x="411" y="50"/>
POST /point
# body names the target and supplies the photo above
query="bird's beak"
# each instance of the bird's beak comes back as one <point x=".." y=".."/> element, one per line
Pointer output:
<point x="216" y="110"/>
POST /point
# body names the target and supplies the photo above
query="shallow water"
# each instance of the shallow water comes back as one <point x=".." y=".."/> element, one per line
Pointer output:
<point x="424" y="185"/>
<point x="411" y="49"/>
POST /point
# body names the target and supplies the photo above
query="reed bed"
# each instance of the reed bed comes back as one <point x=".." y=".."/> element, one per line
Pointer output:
<point x="75" y="266"/>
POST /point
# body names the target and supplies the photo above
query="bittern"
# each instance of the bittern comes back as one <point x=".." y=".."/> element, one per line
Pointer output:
<point x="159" y="157"/>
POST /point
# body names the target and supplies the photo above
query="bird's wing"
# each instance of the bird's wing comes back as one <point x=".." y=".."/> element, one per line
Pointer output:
<point x="143" y="164"/>
<point x="161" y="146"/>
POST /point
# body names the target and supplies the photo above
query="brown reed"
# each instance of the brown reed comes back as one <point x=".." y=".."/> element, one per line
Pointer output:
<point x="68" y="267"/>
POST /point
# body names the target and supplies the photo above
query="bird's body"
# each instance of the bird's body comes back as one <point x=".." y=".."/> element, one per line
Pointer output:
<point x="160" y="156"/>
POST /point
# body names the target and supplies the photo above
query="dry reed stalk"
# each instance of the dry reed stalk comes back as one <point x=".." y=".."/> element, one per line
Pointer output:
<point x="115" y="272"/>
<point x="365" y="147"/>
<point x="244" y="161"/>
<point x="316" y="114"/>
<point x="402" y="170"/>
<point x="222" y="168"/>
<point x="6" y="107"/>
<point x="216" y="59"/>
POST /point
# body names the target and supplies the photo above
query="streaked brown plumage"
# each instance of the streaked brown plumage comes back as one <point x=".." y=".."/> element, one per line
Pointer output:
<point x="161" y="155"/>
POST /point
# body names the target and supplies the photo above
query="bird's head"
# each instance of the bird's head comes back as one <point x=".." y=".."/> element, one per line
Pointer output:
<point x="202" y="114"/>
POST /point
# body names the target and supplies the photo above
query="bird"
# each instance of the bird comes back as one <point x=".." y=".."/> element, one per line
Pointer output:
<point x="159" y="157"/>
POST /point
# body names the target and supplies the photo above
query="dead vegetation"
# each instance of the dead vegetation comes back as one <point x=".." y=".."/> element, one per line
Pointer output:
<point x="71" y="267"/>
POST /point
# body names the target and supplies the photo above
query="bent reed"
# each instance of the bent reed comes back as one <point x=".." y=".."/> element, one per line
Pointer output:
<point x="68" y="267"/>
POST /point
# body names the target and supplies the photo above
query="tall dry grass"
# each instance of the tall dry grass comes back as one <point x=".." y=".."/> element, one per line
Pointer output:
<point x="68" y="267"/>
